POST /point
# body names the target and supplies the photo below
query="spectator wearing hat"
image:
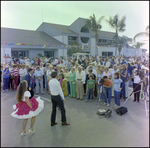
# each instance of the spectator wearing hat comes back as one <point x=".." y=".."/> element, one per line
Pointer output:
<point x="6" y="75"/>
<point x="80" y="78"/>
<point x="39" y="79"/>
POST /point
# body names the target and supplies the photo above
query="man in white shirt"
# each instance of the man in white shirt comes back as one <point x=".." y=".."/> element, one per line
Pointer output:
<point x="57" y="97"/>
<point x="22" y="72"/>
<point x="108" y="63"/>
<point x="56" y="61"/>
<point x="80" y="79"/>
<point x="39" y="79"/>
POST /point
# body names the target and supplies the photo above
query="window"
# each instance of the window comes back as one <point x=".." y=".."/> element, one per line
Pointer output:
<point x="85" y="29"/>
<point x="18" y="54"/>
<point x="72" y="38"/>
<point x="49" y="54"/>
<point x="99" y="40"/>
<point x="84" y="39"/>
<point x="106" y="54"/>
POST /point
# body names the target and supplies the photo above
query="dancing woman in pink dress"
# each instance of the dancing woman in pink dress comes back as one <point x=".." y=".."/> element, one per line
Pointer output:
<point x="26" y="108"/>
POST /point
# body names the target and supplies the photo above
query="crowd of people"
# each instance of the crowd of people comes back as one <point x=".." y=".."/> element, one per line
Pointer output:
<point x="78" y="77"/>
<point x="72" y="77"/>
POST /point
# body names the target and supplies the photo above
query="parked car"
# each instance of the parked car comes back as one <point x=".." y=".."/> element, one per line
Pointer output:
<point x="80" y="55"/>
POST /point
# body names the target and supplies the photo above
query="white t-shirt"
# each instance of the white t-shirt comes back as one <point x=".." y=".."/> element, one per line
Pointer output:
<point x="26" y="94"/>
<point x="137" y="79"/>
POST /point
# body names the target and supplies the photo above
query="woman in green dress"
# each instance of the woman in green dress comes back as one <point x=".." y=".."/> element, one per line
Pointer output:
<point x="72" y="81"/>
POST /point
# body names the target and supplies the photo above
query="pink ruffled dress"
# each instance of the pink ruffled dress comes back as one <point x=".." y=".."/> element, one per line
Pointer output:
<point x="23" y="111"/>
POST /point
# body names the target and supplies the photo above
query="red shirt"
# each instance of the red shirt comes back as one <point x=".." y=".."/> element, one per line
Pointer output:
<point x="15" y="72"/>
<point x="39" y="61"/>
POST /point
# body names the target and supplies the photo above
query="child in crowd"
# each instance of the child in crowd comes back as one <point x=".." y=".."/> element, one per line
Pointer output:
<point x="90" y="88"/>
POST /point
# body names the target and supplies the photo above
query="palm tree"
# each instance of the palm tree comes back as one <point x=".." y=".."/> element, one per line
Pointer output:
<point x="146" y="33"/>
<point x="94" y="26"/>
<point x="118" y="25"/>
<point x="123" y="41"/>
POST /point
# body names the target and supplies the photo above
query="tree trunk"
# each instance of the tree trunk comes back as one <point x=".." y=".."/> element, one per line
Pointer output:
<point x="96" y="40"/>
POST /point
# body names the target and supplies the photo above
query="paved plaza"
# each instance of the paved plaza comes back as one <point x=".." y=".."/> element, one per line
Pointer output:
<point x="85" y="129"/>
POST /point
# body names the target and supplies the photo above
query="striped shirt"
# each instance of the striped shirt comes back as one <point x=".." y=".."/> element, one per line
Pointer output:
<point x="15" y="72"/>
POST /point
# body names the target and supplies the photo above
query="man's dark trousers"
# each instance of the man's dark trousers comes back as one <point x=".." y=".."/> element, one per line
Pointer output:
<point x="57" y="100"/>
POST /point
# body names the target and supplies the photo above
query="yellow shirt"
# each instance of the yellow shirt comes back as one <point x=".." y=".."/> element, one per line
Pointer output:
<point x="66" y="75"/>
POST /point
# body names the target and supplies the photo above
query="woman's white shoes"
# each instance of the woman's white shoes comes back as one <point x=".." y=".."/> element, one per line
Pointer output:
<point x="23" y="133"/>
<point x="31" y="130"/>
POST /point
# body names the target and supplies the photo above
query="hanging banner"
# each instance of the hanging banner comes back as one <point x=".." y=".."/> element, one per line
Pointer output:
<point x="43" y="46"/>
<point x="18" y="43"/>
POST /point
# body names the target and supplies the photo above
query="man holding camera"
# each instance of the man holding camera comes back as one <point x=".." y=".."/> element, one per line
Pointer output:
<point x="108" y="86"/>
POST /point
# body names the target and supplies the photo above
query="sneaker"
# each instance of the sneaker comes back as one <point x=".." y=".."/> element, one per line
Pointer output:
<point x="86" y="100"/>
<point x="91" y="100"/>
<point x="116" y="105"/>
<point x="108" y="104"/>
<point x="6" y="89"/>
<point x="104" y="103"/>
<point x="3" y="91"/>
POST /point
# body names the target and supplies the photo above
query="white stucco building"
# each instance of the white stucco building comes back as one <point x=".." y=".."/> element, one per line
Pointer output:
<point x="53" y="40"/>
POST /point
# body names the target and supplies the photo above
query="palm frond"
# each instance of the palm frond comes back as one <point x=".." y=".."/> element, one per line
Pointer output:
<point x="140" y="35"/>
<point x="147" y="28"/>
<point x="100" y="19"/>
